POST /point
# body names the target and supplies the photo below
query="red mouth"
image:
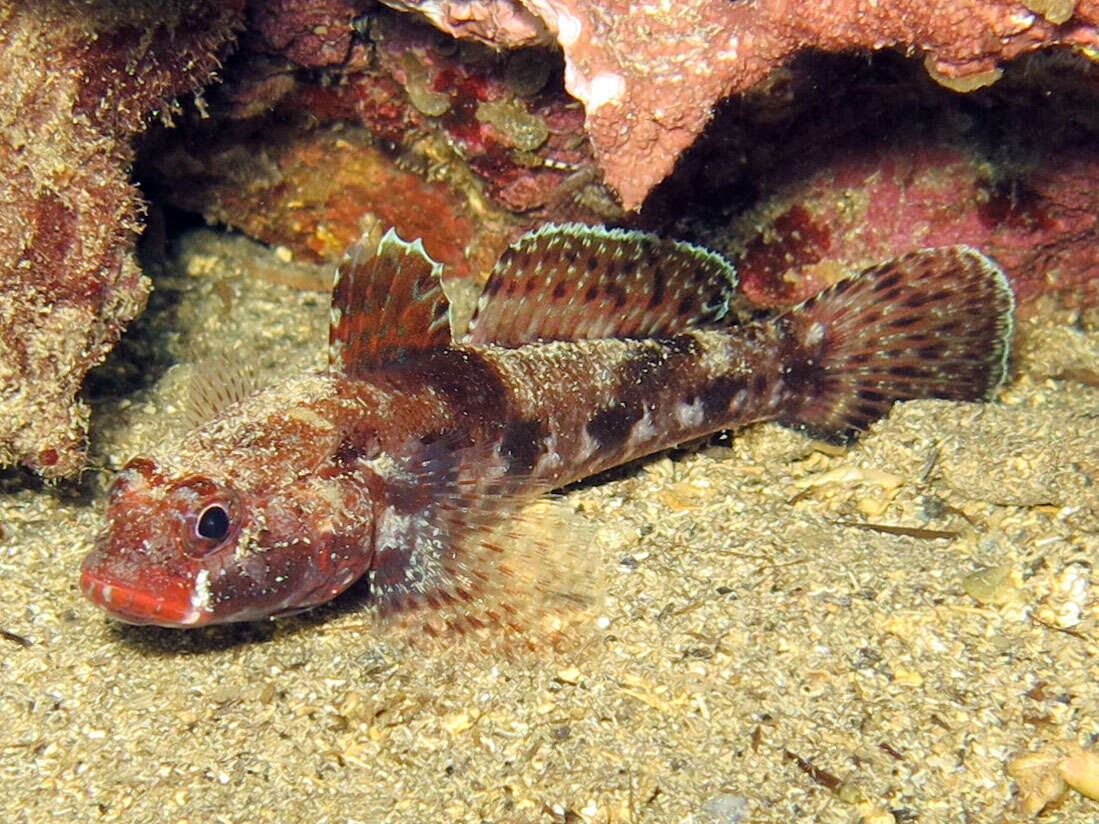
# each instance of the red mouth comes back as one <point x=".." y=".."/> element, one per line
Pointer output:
<point x="125" y="602"/>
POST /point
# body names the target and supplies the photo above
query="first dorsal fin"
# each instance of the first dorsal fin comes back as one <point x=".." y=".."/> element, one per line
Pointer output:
<point x="577" y="282"/>
<point x="387" y="305"/>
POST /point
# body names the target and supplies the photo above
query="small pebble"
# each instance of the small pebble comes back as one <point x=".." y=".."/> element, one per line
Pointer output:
<point x="569" y="675"/>
<point x="1037" y="781"/>
<point x="1081" y="772"/>
<point x="726" y="808"/>
<point x="994" y="586"/>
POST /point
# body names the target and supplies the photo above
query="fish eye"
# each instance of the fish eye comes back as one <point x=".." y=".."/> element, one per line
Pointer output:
<point x="213" y="523"/>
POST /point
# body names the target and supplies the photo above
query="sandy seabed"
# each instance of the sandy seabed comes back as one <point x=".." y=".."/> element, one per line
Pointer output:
<point x="762" y="654"/>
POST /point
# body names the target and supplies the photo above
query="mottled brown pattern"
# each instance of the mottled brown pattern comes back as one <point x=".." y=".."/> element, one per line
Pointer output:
<point x="411" y="462"/>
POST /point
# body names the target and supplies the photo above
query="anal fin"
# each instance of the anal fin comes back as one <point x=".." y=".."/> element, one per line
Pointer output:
<point x="387" y="305"/>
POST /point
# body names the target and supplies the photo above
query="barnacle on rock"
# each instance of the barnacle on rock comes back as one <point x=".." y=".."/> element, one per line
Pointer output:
<point x="524" y="130"/>
<point x="431" y="103"/>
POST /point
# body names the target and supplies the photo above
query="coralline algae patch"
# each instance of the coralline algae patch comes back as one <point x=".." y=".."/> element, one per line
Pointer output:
<point x="312" y="191"/>
<point x="76" y="83"/>
<point x="838" y="164"/>
<point x="1042" y="230"/>
<point x="507" y="115"/>
<point x="443" y="140"/>
<point x="499" y="147"/>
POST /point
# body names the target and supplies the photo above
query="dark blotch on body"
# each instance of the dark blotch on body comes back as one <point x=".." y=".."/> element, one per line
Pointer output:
<point x="643" y="375"/>
<point x="470" y="384"/>
<point x="717" y="395"/>
<point x="803" y="376"/>
<point x="523" y="443"/>
<point x="611" y="427"/>
<point x="658" y="288"/>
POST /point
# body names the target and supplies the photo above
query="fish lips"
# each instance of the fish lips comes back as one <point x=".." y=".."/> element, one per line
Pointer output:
<point x="142" y="594"/>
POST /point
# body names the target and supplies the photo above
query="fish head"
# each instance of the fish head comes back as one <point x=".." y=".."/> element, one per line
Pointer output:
<point x="197" y="550"/>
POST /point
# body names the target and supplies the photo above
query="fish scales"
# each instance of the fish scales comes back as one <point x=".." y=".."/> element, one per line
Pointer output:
<point x="574" y="409"/>
<point x="410" y="459"/>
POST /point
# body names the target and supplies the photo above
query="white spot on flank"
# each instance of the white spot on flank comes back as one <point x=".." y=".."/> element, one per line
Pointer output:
<point x="815" y="334"/>
<point x="689" y="414"/>
<point x="643" y="430"/>
<point x="549" y="460"/>
<point x="588" y="445"/>
<point x="775" y="399"/>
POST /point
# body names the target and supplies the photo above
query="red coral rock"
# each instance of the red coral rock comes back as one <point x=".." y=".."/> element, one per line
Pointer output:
<point x="308" y="32"/>
<point x="76" y="81"/>
<point x="461" y="146"/>
<point x="315" y="190"/>
<point x="1042" y="226"/>
<point x="842" y="162"/>
<point x="650" y="73"/>
<point x="500" y="22"/>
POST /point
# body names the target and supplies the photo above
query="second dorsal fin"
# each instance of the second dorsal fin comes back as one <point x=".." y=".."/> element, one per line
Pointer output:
<point x="387" y="305"/>
<point x="577" y="282"/>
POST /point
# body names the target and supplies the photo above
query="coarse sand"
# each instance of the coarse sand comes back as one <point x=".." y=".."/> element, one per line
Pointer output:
<point x="790" y="632"/>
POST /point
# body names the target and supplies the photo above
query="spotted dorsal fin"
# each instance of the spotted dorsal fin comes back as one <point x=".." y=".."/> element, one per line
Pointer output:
<point x="577" y="282"/>
<point x="387" y="305"/>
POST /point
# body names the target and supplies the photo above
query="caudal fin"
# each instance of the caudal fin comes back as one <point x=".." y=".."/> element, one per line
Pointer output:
<point x="935" y="323"/>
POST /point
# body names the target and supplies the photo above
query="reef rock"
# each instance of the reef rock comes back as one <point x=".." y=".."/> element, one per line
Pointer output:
<point x="841" y="161"/>
<point x="77" y="80"/>
<point x="650" y="73"/>
<point x="444" y="140"/>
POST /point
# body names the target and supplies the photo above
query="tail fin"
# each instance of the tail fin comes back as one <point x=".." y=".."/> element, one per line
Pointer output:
<point x="935" y="323"/>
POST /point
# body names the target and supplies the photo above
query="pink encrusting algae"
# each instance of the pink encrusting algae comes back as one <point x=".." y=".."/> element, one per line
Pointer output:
<point x="410" y="458"/>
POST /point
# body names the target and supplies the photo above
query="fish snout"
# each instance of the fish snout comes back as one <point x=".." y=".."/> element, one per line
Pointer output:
<point x="145" y="598"/>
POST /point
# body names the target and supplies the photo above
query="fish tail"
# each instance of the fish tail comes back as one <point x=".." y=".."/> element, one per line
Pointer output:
<point x="935" y="323"/>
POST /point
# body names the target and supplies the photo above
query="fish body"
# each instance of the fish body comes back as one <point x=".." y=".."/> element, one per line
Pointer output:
<point x="408" y="457"/>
